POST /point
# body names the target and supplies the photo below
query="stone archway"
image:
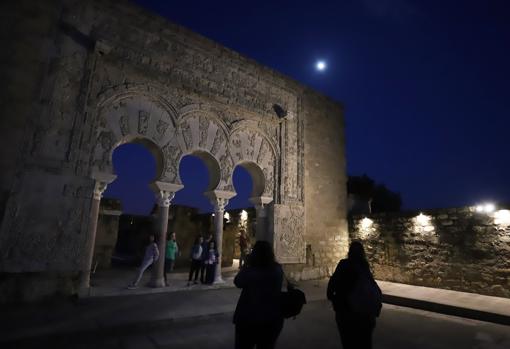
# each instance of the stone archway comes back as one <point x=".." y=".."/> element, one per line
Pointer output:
<point x="134" y="116"/>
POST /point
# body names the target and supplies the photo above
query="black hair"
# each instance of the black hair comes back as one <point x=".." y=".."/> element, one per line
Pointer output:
<point x="262" y="255"/>
<point x="357" y="253"/>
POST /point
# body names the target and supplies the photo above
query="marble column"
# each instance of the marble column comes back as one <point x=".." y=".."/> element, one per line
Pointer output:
<point x="165" y="192"/>
<point x="260" y="208"/>
<point x="219" y="210"/>
<point x="102" y="181"/>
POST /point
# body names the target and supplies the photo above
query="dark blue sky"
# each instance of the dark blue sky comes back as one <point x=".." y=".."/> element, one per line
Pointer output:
<point x="425" y="84"/>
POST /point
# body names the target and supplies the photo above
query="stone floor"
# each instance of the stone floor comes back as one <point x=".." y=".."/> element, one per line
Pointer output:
<point x="114" y="282"/>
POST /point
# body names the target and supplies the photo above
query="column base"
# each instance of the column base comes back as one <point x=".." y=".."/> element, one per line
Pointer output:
<point x="218" y="280"/>
<point x="157" y="283"/>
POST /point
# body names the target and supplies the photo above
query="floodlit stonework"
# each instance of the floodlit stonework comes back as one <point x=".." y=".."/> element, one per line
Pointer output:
<point x="458" y="249"/>
<point x="83" y="77"/>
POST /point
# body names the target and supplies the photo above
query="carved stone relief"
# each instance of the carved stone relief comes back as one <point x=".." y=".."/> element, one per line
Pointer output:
<point x="289" y="233"/>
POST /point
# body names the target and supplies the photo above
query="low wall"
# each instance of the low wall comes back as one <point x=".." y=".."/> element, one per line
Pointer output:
<point x="458" y="249"/>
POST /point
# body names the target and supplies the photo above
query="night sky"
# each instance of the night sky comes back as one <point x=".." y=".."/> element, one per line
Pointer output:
<point x="425" y="85"/>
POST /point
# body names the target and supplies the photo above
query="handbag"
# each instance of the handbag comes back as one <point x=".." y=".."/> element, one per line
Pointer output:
<point x="292" y="301"/>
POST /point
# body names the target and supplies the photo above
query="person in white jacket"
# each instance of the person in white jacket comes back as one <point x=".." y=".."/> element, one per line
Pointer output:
<point x="151" y="255"/>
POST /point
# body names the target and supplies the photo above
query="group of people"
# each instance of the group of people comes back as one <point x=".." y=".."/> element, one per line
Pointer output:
<point x="151" y="255"/>
<point x="258" y="317"/>
<point x="204" y="257"/>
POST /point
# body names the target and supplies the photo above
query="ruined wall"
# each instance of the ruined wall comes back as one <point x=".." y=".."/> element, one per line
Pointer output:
<point x="458" y="249"/>
<point x="174" y="88"/>
<point x="325" y="186"/>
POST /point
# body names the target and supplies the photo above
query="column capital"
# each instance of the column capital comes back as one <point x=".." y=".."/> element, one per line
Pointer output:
<point x="219" y="199"/>
<point x="101" y="182"/>
<point x="259" y="202"/>
<point x="165" y="192"/>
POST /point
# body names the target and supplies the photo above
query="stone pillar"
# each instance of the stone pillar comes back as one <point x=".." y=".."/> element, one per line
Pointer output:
<point x="102" y="181"/>
<point x="260" y="203"/>
<point x="219" y="199"/>
<point x="165" y="192"/>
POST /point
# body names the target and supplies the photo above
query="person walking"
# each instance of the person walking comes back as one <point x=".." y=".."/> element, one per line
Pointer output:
<point x="356" y="298"/>
<point x="172" y="249"/>
<point x="211" y="259"/>
<point x="244" y="246"/>
<point x="151" y="255"/>
<point x="196" y="259"/>
<point x="258" y="316"/>
<point x="203" y="266"/>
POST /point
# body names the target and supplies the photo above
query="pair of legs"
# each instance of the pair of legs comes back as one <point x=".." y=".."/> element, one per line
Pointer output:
<point x="242" y="258"/>
<point x="141" y="270"/>
<point x="203" y="270"/>
<point x="196" y="264"/>
<point x="209" y="273"/>
<point x="169" y="267"/>
<point x="355" y="331"/>
<point x="260" y="336"/>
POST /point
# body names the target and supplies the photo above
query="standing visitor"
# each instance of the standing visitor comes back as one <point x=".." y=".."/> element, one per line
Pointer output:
<point x="244" y="247"/>
<point x="211" y="259"/>
<point x="356" y="299"/>
<point x="196" y="259"/>
<point x="203" y="266"/>
<point x="170" y="254"/>
<point x="151" y="255"/>
<point x="258" y="316"/>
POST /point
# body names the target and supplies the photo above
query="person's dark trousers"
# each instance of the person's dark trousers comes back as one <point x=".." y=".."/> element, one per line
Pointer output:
<point x="194" y="269"/>
<point x="355" y="332"/>
<point x="249" y="336"/>
<point x="203" y="268"/>
<point x="209" y="273"/>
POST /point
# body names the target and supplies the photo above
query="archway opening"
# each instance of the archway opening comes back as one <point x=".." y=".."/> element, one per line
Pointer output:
<point x="248" y="181"/>
<point x="125" y="219"/>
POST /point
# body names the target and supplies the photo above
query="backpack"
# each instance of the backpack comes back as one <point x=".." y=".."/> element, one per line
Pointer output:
<point x="365" y="298"/>
<point x="292" y="301"/>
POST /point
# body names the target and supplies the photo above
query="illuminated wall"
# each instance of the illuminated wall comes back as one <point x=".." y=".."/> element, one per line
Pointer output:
<point x="465" y="249"/>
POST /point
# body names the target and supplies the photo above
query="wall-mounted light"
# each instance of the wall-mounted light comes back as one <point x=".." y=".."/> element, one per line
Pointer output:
<point x="366" y="223"/>
<point x="244" y="215"/>
<point x="502" y="217"/>
<point x="227" y="216"/>
<point x="422" y="224"/>
<point x="423" y="220"/>
<point x="485" y="208"/>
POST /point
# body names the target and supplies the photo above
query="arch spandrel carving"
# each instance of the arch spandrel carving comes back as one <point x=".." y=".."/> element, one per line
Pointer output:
<point x="135" y="117"/>
<point x="250" y="144"/>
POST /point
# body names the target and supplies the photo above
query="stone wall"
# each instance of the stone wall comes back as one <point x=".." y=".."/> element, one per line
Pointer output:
<point x="458" y="249"/>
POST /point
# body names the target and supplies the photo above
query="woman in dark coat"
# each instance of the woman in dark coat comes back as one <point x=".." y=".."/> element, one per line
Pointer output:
<point x="356" y="299"/>
<point x="258" y="317"/>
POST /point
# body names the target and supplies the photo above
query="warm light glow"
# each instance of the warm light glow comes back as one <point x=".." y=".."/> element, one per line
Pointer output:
<point x="244" y="215"/>
<point x="502" y="217"/>
<point x="423" y="220"/>
<point x="366" y="223"/>
<point x="321" y="65"/>
<point x="488" y="208"/>
<point x="227" y="216"/>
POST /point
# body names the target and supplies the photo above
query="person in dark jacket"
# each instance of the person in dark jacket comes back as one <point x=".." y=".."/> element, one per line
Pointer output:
<point x="205" y="246"/>
<point x="196" y="259"/>
<point x="258" y="316"/>
<point x="210" y="260"/>
<point x="355" y="323"/>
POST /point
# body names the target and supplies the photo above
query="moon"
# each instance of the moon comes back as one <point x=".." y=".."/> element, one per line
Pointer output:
<point x="320" y="65"/>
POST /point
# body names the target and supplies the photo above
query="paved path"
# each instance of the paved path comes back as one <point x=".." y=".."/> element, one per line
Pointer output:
<point x="398" y="327"/>
<point x="124" y="314"/>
